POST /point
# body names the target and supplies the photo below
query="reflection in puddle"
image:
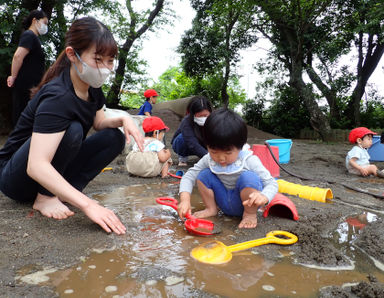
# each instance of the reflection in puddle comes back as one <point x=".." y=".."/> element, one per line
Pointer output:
<point x="353" y="225"/>
<point x="154" y="258"/>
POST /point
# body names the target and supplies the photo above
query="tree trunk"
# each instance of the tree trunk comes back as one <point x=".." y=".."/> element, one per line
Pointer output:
<point x="295" y="62"/>
<point x="328" y="93"/>
<point x="113" y="98"/>
<point x="365" y="67"/>
<point x="224" y="93"/>
<point x="113" y="94"/>
<point x="318" y="120"/>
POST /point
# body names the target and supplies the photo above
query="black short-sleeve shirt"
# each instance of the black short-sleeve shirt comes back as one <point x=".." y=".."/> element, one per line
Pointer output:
<point x="52" y="110"/>
<point x="32" y="69"/>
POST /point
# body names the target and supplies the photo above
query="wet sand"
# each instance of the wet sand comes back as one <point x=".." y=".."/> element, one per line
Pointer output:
<point x="31" y="242"/>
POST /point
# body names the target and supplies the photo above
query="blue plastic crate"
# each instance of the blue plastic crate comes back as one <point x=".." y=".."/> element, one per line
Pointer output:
<point x="376" y="151"/>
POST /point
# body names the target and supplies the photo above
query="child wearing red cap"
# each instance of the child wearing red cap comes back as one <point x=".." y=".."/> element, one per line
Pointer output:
<point x="150" y="99"/>
<point x="155" y="159"/>
<point x="357" y="160"/>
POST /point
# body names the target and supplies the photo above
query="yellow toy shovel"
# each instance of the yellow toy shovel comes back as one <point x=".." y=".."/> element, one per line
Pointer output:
<point x="216" y="252"/>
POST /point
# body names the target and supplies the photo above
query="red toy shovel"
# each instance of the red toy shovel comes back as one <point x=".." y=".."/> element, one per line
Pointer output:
<point x="193" y="225"/>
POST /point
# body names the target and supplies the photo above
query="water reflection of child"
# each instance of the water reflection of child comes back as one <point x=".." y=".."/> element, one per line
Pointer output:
<point x="228" y="177"/>
<point x="155" y="159"/>
<point x="356" y="224"/>
<point x="357" y="159"/>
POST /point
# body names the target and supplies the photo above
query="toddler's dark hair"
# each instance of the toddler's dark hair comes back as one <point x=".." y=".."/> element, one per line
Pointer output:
<point x="224" y="129"/>
<point x="150" y="133"/>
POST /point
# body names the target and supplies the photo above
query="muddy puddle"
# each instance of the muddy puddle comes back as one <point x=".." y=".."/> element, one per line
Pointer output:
<point x="153" y="258"/>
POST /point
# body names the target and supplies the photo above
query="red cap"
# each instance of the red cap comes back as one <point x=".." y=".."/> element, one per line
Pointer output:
<point x="359" y="132"/>
<point x="153" y="123"/>
<point x="279" y="205"/>
<point x="150" y="92"/>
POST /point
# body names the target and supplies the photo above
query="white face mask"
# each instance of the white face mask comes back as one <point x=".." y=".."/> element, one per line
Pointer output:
<point x="199" y="120"/>
<point x="95" y="77"/>
<point x="43" y="29"/>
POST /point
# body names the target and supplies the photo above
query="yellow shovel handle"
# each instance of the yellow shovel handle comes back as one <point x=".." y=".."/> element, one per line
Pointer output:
<point x="291" y="238"/>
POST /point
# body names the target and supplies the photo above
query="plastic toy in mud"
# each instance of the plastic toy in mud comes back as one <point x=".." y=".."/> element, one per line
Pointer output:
<point x="194" y="225"/>
<point x="216" y="252"/>
<point x="281" y="206"/>
<point x="177" y="175"/>
<point x="306" y="192"/>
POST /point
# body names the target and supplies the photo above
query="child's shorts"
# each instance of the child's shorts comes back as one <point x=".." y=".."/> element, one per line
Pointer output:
<point x="144" y="164"/>
<point x="228" y="200"/>
<point x="354" y="171"/>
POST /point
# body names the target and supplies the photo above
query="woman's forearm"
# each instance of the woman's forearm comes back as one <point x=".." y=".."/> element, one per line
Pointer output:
<point x="17" y="61"/>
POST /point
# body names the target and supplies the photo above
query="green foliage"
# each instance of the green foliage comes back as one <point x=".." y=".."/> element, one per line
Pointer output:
<point x="211" y="48"/>
<point x="253" y="112"/>
<point x="285" y="116"/>
<point x="372" y="110"/>
<point x="131" y="100"/>
<point x="175" y="84"/>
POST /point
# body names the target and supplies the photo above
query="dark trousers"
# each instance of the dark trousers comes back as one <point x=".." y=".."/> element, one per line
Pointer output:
<point x="180" y="147"/>
<point x="77" y="160"/>
<point x="20" y="98"/>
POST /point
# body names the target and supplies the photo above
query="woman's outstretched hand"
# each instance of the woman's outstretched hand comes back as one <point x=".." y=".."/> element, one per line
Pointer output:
<point x="130" y="128"/>
<point x="104" y="217"/>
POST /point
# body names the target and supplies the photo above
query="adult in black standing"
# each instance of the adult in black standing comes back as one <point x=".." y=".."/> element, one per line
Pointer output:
<point x="28" y="62"/>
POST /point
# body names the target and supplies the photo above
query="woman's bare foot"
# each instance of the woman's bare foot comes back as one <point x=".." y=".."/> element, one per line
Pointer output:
<point x="205" y="213"/>
<point x="249" y="221"/>
<point x="51" y="207"/>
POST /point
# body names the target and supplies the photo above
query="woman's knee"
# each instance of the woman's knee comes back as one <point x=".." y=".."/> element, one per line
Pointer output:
<point x="178" y="145"/>
<point x="116" y="137"/>
<point x="73" y="136"/>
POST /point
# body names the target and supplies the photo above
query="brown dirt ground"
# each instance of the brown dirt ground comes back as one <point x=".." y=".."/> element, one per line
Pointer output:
<point x="39" y="242"/>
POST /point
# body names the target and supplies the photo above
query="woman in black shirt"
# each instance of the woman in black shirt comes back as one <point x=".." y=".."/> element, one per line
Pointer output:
<point x="48" y="158"/>
<point x="28" y="62"/>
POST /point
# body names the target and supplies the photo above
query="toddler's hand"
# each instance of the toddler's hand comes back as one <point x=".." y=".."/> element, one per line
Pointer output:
<point x="165" y="175"/>
<point x="256" y="199"/>
<point x="184" y="207"/>
<point x="364" y="171"/>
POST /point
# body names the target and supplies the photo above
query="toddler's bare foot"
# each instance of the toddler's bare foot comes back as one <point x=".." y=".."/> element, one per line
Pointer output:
<point x="249" y="221"/>
<point x="205" y="213"/>
<point x="51" y="207"/>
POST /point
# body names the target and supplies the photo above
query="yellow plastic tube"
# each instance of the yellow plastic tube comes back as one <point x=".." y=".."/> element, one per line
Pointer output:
<point x="305" y="192"/>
